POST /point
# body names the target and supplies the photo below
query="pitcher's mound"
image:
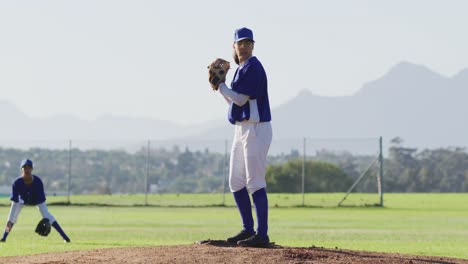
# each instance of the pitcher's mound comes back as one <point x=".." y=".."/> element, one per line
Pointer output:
<point x="216" y="251"/>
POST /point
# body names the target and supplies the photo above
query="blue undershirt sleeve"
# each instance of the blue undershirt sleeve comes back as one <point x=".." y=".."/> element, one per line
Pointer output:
<point x="14" y="194"/>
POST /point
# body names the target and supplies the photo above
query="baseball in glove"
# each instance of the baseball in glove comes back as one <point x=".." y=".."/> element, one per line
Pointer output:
<point x="43" y="227"/>
<point x="217" y="71"/>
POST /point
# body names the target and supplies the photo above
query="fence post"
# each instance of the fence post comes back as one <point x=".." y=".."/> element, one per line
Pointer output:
<point x="69" y="169"/>
<point x="380" y="175"/>
<point x="303" y="171"/>
<point x="147" y="171"/>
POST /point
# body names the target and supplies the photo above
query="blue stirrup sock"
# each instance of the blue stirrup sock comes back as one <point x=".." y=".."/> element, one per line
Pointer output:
<point x="261" y="206"/>
<point x="245" y="209"/>
<point x="59" y="229"/>
<point x="5" y="234"/>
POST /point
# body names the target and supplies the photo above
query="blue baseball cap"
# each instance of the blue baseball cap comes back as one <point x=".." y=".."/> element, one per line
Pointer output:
<point x="26" y="162"/>
<point x="243" y="33"/>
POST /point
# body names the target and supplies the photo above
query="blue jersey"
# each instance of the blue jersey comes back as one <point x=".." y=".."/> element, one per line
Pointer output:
<point x="32" y="194"/>
<point x="251" y="80"/>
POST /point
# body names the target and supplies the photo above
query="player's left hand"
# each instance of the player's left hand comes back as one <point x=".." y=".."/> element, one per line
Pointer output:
<point x="217" y="72"/>
<point x="43" y="227"/>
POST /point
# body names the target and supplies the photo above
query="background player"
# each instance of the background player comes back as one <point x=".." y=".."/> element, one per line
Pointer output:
<point x="29" y="190"/>
<point x="249" y="112"/>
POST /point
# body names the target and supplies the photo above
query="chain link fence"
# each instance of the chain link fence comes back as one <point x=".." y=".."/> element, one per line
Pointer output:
<point x="190" y="173"/>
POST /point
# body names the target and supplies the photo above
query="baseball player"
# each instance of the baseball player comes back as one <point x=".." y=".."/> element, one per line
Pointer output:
<point x="29" y="190"/>
<point x="249" y="112"/>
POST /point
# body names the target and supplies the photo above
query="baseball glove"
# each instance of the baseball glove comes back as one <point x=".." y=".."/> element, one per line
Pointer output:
<point x="43" y="227"/>
<point x="217" y="72"/>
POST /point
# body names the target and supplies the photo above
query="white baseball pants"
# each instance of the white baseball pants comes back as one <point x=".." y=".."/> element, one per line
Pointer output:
<point x="15" y="209"/>
<point x="249" y="156"/>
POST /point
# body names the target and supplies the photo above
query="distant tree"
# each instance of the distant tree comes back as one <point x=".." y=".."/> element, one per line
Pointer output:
<point x="172" y="170"/>
<point x="186" y="163"/>
<point x="319" y="177"/>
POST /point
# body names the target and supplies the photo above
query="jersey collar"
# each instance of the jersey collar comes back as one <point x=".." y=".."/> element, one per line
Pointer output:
<point x="241" y="65"/>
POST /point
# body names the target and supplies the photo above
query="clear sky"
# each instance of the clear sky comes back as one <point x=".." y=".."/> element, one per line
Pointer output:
<point x="148" y="59"/>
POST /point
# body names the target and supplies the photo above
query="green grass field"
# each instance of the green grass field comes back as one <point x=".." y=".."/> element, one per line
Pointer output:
<point x="422" y="224"/>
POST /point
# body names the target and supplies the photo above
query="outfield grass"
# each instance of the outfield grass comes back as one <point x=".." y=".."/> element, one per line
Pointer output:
<point x="422" y="224"/>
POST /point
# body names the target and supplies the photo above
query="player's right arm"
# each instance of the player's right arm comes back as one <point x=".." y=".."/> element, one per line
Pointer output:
<point x="247" y="87"/>
<point x="14" y="197"/>
<point x="226" y="99"/>
<point x="15" y="206"/>
<point x="232" y="96"/>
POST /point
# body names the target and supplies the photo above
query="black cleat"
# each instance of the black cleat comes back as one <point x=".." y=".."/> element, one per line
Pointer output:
<point x="2" y="240"/>
<point x="254" y="241"/>
<point x="66" y="240"/>
<point x="244" y="234"/>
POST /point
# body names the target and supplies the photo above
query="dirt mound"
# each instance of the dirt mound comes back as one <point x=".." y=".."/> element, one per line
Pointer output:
<point x="220" y="252"/>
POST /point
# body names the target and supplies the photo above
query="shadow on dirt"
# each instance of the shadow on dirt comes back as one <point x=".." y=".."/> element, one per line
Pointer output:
<point x="224" y="243"/>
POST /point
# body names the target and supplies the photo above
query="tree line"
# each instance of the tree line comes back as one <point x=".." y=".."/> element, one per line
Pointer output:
<point x="193" y="171"/>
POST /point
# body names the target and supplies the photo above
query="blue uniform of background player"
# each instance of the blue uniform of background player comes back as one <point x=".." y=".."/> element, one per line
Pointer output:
<point x="28" y="189"/>
<point x="249" y="112"/>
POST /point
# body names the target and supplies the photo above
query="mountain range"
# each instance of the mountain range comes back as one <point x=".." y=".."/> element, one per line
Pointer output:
<point x="410" y="101"/>
<point x="422" y="107"/>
